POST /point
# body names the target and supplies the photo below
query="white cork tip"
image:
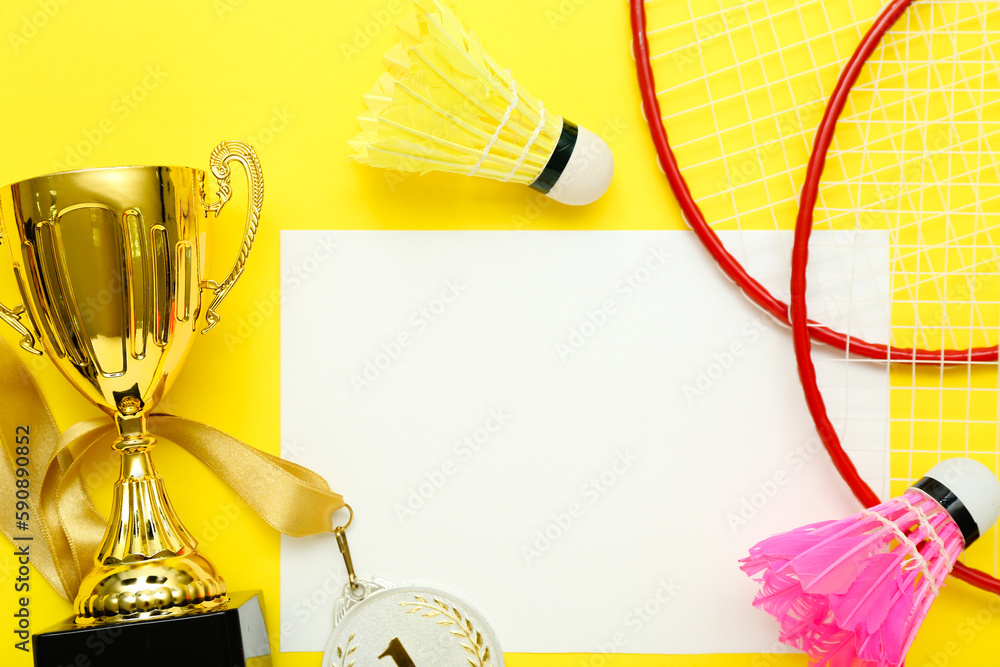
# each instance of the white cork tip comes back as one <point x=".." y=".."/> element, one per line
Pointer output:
<point x="588" y="172"/>
<point x="975" y="485"/>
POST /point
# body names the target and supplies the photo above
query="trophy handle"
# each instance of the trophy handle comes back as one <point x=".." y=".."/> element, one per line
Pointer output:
<point x="223" y="154"/>
<point x="13" y="318"/>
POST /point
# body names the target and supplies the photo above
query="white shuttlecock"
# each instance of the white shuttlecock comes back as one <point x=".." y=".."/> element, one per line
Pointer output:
<point x="445" y="105"/>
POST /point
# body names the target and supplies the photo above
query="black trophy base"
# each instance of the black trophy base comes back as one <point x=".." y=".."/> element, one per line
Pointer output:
<point x="231" y="637"/>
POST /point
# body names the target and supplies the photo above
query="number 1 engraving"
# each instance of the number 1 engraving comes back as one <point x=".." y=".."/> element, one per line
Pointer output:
<point x="398" y="654"/>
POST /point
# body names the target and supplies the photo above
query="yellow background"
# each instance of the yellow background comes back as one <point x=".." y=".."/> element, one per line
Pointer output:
<point x="288" y="77"/>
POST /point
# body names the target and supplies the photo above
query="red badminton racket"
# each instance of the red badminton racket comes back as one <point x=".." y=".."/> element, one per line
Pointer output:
<point x="739" y="88"/>
<point x="905" y="171"/>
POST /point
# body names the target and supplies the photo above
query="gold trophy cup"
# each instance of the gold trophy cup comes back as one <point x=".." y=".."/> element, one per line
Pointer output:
<point x="138" y="235"/>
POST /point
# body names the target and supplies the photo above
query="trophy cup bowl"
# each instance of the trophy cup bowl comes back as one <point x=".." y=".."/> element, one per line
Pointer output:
<point x="110" y="266"/>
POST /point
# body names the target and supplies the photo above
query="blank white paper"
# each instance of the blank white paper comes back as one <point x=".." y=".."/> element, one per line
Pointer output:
<point x="580" y="433"/>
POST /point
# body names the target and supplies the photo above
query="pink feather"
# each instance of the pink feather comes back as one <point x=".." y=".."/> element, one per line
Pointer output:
<point x="852" y="593"/>
<point x="869" y="599"/>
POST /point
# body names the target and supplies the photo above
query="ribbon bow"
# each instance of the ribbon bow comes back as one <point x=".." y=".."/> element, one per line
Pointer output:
<point x="66" y="528"/>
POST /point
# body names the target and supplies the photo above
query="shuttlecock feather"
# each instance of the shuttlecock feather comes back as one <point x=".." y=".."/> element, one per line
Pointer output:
<point x="444" y="104"/>
<point x="853" y="593"/>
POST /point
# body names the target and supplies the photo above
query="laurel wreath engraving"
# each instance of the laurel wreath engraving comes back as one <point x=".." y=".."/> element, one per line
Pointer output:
<point x="459" y="626"/>
<point x="345" y="653"/>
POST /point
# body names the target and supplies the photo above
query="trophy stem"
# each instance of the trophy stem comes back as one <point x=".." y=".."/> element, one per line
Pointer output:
<point x="147" y="564"/>
<point x="143" y="522"/>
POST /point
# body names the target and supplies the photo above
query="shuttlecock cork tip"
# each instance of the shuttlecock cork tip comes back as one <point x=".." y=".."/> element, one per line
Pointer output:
<point x="968" y="490"/>
<point x="580" y="169"/>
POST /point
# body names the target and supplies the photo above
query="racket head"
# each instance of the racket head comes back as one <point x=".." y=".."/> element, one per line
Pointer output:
<point x="900" y="182"/>
<point x="741" y="86"/>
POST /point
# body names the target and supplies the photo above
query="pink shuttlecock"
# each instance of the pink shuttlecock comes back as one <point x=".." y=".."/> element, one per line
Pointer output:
<point x="853" y="593"/>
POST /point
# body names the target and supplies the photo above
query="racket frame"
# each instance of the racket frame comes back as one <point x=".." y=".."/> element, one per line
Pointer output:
<point x="695" y="219"/>
<point x="798" y="311"/>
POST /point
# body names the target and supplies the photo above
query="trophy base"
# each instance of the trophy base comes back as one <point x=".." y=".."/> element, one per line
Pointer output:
<point x="233" y="636"/>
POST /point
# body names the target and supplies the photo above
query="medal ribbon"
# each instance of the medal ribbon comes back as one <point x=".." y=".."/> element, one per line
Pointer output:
<point x="66" y="530"/>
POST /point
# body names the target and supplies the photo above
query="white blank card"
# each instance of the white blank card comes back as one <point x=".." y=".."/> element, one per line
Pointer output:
<point x="580" y="433"/>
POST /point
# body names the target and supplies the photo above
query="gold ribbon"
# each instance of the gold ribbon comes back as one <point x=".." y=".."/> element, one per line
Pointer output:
<point x="64" y="526"/>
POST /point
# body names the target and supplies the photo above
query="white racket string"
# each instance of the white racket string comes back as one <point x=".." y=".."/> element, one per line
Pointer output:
<point x="913" y="180"/>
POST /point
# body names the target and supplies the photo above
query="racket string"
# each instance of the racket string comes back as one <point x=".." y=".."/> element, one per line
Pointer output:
<point x="905" y="214"/>
<point x="918" y="167"/>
